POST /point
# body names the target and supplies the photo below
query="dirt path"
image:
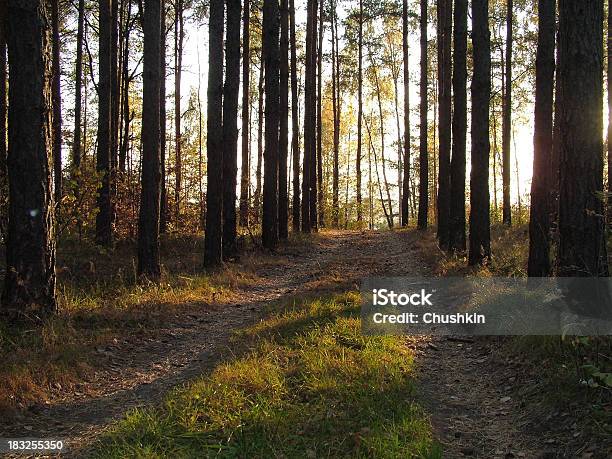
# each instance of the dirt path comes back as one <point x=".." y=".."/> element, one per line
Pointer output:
<point x="471" y="414"/>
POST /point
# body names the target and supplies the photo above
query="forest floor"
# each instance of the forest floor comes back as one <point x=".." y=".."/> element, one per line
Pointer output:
<point x="472" y="397"/>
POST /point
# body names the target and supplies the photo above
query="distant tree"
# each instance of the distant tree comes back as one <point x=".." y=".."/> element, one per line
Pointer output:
<point x="582" y="247"/>
<point x="543" y="175"/>
<point x="507" y="117"/>
<point x="272" y="62"/>
<point x="78" y="88"/>
<point x="57" y="103"/>
<point x="445" y="26"/>
<point x="29" y="284"/>
<point x="283" y="147"/>
<point x="405" y="204"/>
<point x="459" y="127"/>
<point x="214" y="139"/>
<point x="103" y="158"/>
<point x="423" y="153"/>
<point x="480" y="220"/>
<point x="179" y="37"/>
<point x="245" y="173"/>
<point x="148" y="221"/>
<point x="230" y="125"/>
<point x="359" y="153"/>
<point x="163" y="207"/>
<point x="295" y="140"/>
<point x="336" y="114"/>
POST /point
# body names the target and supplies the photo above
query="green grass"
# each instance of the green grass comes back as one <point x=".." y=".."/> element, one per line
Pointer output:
<point x="303" y="383"/>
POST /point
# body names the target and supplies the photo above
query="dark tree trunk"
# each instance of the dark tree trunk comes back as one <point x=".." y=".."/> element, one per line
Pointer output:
<point x="457" y="173"/>
<point x="3" y="88"/>
<point x="260" y="124"/>
<point x="405" y="213"/>
<point x="295" y="141"/>
<point x="445" y="21"/>
<point x="230" y="125"/>
<point x="283" y="147"/>
<point x="115" y="99"/>
<point x="335" y="106"/>
<point x="179" y="35"/>
<point x="29" y="285"/>
<point x="320" y="194"/>
<point x="103" y="158"/>
<point x="269" y="231"/>
<point x="56" y="88"/>
<point x="480" y="220"/>
<point x="507" y="119"/>
<point x="582" y="249"/>
<point x="543" y="176"/>
<point x="314" y="183"/>
<point x="214" y="140"/>
<point x="245" y="173"/>
<point x="148" y="221"/>
<point x="163" y="206"/>
<point x="78" y="85"/>
<point x="359" y="113"/>
<point x="423" y="153"/>
<point x="609" y="142"/>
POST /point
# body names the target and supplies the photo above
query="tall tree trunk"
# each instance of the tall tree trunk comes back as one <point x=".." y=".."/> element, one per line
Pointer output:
<point x="148" y="221"/>
<point x="320" y="191"/>
<point x="423" y="153"/>
<point x="359" y="114"/>
<point x="507" y="118"/>
<point x="78" y="87"/>
<point x="230" y="125"/>
<point x="283" y="147"/>
<point x="3" y="34"/>
<point x="270" y="45"/>
<point x="29" y="284"/>
<point x="214" y="140"/>
<point x="445" y="21"/>
<point x="179" y="35"/>
<point x="163" y="207"/>
<point x="609" y="140"/>
<point x="480" y="220"/>
<point x="335" y="94"/>
<point x="405" y="211"/>
<point x="115" y="90"/>
<point x="103" y="158"/>
<point x="245" y="172"/>
<point x="582" y="248"/>
<point x="541" y="197"/>
<point x="314" y="182"/>
<point x="260" y="123"/>
<point x="56" y="88"/>
<point x="295" y="122"/>
<point x="459" y="127"/>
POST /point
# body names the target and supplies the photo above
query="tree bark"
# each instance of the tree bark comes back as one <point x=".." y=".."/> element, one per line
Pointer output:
<point x="480" y="220"/>
<point x="507" y="119"/>
<point x="230" y="125"/>
<point x="29" y="285"/>
<point x="163" y="207"/>
<point x="103" y="158"/>
<point x="179" y="35"/>
<point x="335" y="103"/>
<point x="56" y="88"/>
<point x="314" y="183"/>
<point x="405" y="212"/>
<point x="245" y="172"/>
<point x="260" y="124"/>
<point x="445" y="13"/>
<point x="214" y="141"/>
<point x="359" y="114"/>
<point x="609" y="140"/>
<point x="295" y="140"/>
<point x="423" y="153"/>
<point x="320" y="190"/>
<point x="283" y="147"/>
<point x="3" y="88"/>
<point x="459" y="127"/>
<point x="148" y="221"/>
<point x="582" y="249"/>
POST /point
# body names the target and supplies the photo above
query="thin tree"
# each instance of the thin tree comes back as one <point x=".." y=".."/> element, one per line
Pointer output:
<point x="214" y="140"/>
<point x="359" y="114"/>
<point x="314" y="182"/>
<point x="103" y="157"/>
<point x="283" y="147"/>
<point x="405" y="211"/>
<point x="163" y="208"/>
<point x="320" y="190"/>
<point x="445" y="21"/>
<point x="423" y="153"/>
<point x="245" y="172"/>
<point x="456" y="239"/>
<point x="179" y="36"/>
<point x="3" y="25"/>
<point x="335" y="108"/>
<point x="29" y="284"/>
<point x="480" y="220"/>
<point x="272" y="63"/>
<point x="295" y="121"/>
<point x="78" y="88"/>
<point x="260" y="124"/>
<point x="230" y="125"/>
<point x="609" y="139"/>
<point x="148" y="221"/>
<point x="57" y="104"/>
<point x="507" y="118"/>
<point x="582" y="248"/>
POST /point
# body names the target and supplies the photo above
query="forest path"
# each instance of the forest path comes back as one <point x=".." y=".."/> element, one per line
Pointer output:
<point x="470" y="414"/>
